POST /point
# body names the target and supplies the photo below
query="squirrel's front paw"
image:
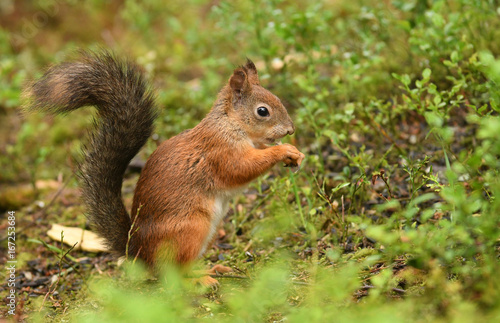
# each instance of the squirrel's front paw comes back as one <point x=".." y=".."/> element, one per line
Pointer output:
<point x="292" y="156"/>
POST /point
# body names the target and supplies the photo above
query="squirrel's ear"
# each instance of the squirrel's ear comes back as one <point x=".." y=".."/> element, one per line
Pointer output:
<point x="251" y="70"/>
<point x="239" y="82"/>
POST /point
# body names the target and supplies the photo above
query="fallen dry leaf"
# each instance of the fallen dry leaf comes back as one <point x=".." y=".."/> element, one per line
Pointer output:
<point x="87" y="240"/>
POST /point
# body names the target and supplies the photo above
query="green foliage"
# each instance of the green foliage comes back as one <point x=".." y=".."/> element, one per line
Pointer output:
<point x="394" y="214"/>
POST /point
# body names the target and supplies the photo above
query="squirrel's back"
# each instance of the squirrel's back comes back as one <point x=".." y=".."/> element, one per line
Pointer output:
<point x="126" y="112"/>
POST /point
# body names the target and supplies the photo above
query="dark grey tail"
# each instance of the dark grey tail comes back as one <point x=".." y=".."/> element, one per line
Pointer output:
<point x="126" y="112"/>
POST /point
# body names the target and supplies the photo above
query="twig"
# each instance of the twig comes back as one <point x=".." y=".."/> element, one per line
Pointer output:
<point x="382" y="172"/>
<point x="58" y="276"/>
<point x="384" y="178"/>
<point x="322" y="194"/>
<point x="343" y="212"/>
<point x="64" y="256"/>
<point x="344" y="224"/>
<point x="130" y="233"/>
<point x="229" y="276"/>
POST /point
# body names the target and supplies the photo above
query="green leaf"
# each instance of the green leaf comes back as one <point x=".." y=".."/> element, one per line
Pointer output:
<point x="340" y="186"/>
<point x="426" y="74"/>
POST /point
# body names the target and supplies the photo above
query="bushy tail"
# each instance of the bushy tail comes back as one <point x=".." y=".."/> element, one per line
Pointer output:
<point x="126" y="111"/>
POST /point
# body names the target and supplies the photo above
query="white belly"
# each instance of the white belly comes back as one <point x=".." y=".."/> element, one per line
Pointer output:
<point x="220" y="208"/>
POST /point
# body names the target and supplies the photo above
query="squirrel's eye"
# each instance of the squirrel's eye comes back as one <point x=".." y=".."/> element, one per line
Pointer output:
<point x="263" y="112"/>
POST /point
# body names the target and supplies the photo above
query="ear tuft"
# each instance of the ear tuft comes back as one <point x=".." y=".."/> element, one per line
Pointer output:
<point x="250" y="66"/>
<point x="251" y="70"/>
<point x="238" y="82"/>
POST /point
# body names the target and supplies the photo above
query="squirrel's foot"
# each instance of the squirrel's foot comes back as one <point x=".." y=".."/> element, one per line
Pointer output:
<point x="204" y="278"/>
<point x="207" y="281"/>
<point x="219" y="269"/>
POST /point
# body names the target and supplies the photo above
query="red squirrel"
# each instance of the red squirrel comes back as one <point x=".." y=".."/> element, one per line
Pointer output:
<point x="184" y="190"/>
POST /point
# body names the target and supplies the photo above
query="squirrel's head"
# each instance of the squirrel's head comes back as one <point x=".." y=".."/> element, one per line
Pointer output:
<point x="258" y="112"/>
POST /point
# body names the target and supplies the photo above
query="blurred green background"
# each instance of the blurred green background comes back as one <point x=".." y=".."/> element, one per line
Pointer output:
<point x="394" y="214"/>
